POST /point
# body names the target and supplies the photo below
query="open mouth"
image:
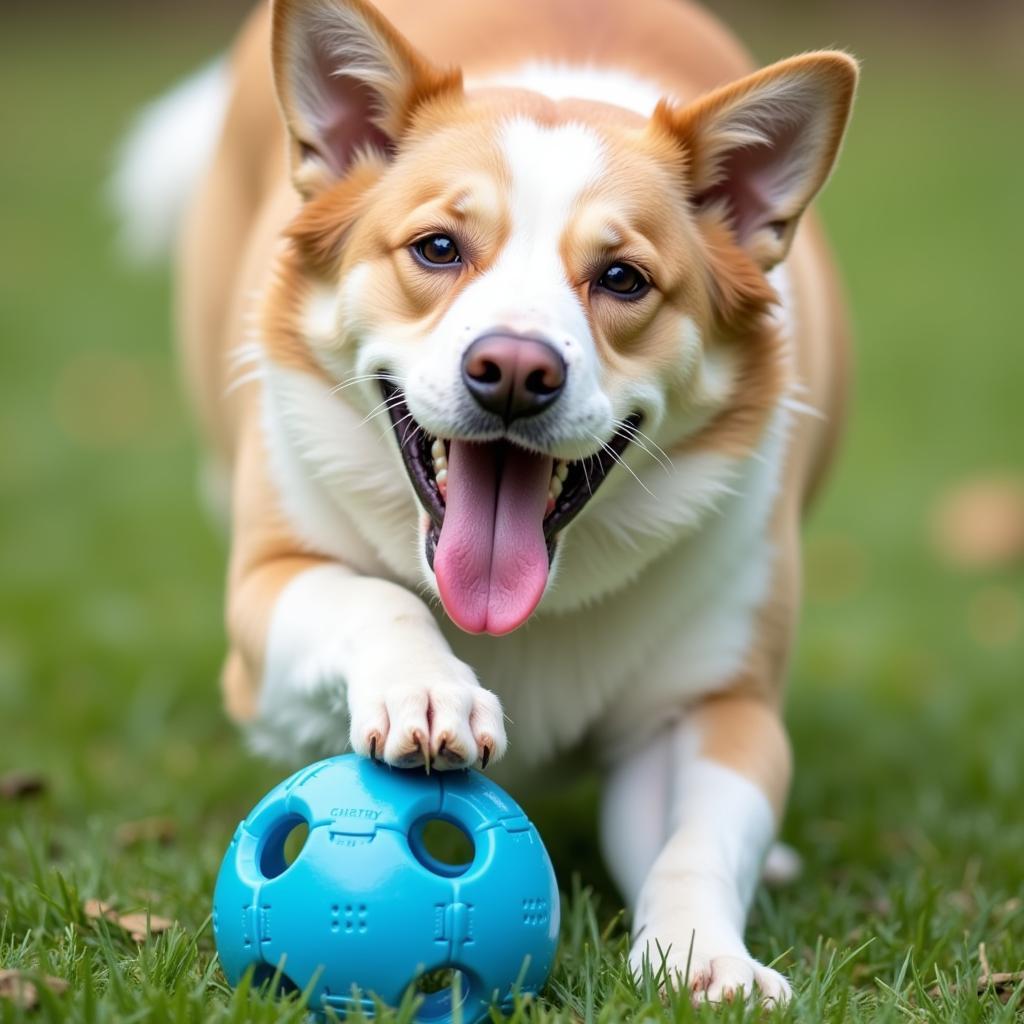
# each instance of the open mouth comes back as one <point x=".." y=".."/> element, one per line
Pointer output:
<point x="496" y="511"/>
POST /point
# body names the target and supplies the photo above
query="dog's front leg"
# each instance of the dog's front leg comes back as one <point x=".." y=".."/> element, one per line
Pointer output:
<point x="320" y="654"/>
<point x="686" y="825"/>
<point x="346" y="647"/>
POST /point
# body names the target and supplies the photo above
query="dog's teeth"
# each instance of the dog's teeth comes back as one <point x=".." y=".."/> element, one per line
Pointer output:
<point x="439" y="455"/>
<point x="558" y="475"/>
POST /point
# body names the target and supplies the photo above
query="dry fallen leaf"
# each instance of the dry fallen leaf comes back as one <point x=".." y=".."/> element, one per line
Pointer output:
<point x="1003" y="982"/>
<point x="97" y="908"/>
<point x="979" y="524"/>
<point x="20" y="785"/>
<point x="22" y="989"/>
<point x="147" y="830"/>
<point x="140" y="925"/>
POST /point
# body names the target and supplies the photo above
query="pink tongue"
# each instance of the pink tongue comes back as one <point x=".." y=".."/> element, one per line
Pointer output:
<point x="491" y="560"/>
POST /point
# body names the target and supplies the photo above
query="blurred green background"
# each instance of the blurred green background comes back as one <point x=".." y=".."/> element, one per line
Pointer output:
<point x="906" y="703"/>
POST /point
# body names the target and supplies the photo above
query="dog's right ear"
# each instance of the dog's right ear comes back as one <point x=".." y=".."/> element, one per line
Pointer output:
<point x="347" y="82"/>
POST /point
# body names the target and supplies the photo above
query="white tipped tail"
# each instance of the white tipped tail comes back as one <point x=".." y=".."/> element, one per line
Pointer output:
<point x="162" y="159"/>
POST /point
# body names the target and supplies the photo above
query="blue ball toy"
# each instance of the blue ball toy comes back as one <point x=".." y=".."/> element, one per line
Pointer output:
<point x="366" y="908"/>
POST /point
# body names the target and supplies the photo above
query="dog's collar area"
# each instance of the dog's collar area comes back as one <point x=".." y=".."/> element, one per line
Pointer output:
<point x="572" y="485"/>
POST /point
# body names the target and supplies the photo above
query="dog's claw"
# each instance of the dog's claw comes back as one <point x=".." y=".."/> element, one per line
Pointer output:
<point x="439" y="728"/>
<point x="485" y="756"/>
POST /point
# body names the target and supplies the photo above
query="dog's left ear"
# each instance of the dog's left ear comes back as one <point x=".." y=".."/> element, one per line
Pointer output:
<point x="759" y="150"/>
<point x="347" y="81"/>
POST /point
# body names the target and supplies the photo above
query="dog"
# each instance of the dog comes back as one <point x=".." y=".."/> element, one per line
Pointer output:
<point x="519" y="357"/>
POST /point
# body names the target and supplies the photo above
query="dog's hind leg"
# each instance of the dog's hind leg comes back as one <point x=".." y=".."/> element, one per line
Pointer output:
<point x="713" y="787"/>
<point x="635" y="806"/>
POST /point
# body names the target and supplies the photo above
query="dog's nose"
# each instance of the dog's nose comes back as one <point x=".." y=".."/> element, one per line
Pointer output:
<point x="513" y="376"/>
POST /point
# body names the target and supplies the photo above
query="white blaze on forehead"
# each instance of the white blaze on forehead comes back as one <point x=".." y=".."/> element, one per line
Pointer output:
<point x="549" y="169"/>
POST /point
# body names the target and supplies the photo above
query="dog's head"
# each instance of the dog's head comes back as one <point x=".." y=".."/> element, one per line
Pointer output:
<point x="538" y="289"/>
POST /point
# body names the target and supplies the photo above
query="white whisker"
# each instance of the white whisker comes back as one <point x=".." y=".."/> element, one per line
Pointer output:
<point x="586" y="474"/>
<point x="637" y="436"/>
<point x="386" y="406"/>
<point x="393" y="428"/>
<point x="360" y="379"/>
<point x="413" y="425"/>
<point x="654" y="444"/>
<point x="615" y="455"/>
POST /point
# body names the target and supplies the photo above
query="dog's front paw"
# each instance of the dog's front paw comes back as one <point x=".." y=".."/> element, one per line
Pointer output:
<point x="711" y="975"/>
<point x="446" y="721"/>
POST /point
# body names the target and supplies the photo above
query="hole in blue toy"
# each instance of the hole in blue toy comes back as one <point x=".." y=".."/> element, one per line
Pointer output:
<point x="443" y="991"/>
<point x="282" y="845"/>
<point x="267" y="977"/>
<point x="442" y="846"/>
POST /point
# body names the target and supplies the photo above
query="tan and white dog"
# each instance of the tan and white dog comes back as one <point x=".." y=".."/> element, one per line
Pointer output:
<point x="498" y="318"/>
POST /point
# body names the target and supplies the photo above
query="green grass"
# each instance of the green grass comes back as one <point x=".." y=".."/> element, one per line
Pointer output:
<point x="905" y="715"/>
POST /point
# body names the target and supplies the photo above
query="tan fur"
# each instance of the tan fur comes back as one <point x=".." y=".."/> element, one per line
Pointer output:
<point x="259" y="570"/>
<point x="744" y="734"/>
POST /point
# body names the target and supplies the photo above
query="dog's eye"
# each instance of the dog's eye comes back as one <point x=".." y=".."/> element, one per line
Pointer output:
<point x="623" y="280"/>
<point x="437" y="250"/>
